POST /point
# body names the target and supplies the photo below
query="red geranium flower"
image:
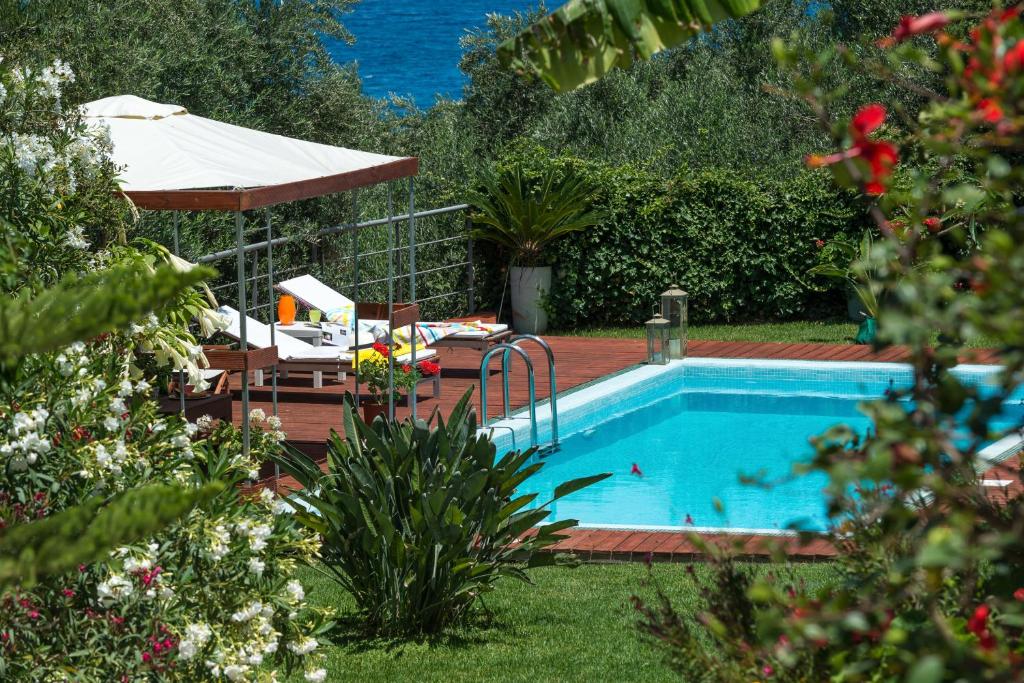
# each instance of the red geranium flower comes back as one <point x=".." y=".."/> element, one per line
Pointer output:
<point x="429" y="368"/>
<point x="979" y="620"/>
<point x="382" y="349"/>
<point x="1018" y="595"/>
<point x="911" y="26"/>
<point x="933" y="224"/>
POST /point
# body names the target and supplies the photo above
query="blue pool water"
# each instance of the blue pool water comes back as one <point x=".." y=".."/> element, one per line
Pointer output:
<point x="695" y="430"/>
<point x="411" y="47"/>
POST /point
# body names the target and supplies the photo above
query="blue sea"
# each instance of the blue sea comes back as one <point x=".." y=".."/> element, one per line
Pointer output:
<point x="411" y="47"/>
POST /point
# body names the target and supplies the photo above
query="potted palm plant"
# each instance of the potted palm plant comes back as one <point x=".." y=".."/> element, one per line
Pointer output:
<point x="850" y="262"/>
<point x="523" y="214"/>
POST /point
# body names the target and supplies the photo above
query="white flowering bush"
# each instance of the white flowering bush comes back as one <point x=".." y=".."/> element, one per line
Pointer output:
<point x="211" y="597"/>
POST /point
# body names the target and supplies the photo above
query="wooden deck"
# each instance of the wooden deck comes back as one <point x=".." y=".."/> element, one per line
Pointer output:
<point x="308" y="415"/>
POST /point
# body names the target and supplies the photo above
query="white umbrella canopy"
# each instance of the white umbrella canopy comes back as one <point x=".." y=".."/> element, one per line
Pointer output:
<point x="162" y="148"/>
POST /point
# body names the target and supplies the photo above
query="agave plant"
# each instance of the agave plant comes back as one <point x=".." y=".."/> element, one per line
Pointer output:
<point x="524" y="214"/>
<point x="418" y="521"/>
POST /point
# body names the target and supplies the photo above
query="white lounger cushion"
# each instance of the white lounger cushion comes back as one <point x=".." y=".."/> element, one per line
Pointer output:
<point x="290" y="348"/>
<point x="316" y="294"/>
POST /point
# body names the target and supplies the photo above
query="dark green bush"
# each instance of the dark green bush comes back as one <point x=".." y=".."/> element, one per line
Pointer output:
<point x="737" y="244"/>
<point x="418" y="522"/>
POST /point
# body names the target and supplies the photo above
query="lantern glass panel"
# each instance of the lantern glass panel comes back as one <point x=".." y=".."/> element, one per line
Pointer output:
<point x="674" y="304"/>
<point x="657" y="340"/>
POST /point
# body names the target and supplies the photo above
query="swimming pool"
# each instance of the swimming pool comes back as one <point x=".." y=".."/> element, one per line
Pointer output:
<point x="693" y="427"/>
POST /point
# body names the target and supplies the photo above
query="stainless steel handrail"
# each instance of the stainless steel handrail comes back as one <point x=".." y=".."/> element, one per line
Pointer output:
<point x="504" y="349"/>
<point x="514" y="341"/>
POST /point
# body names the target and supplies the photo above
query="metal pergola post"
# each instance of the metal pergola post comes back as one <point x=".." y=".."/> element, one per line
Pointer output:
<point x="243" y="339"/>
<point x="391" y="309"/>
<point x="412" y="282"/>
<point x="181" y="372"/>
<point x="273" y="330"/>
<point x="355" y="290"/>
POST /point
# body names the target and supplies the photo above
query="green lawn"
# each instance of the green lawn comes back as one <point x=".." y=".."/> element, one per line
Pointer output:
<point x="794" y="332"/>
<point x="799" y="332"/>
<point x="573" y="625"/>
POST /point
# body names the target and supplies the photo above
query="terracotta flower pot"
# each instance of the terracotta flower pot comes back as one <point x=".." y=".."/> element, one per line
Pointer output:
<point x="372" y="410"/>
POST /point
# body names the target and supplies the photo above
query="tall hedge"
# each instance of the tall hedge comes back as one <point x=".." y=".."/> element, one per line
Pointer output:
<point x="739" y="245"/>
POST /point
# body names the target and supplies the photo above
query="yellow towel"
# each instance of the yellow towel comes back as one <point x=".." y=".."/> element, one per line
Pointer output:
<point x="400" y="350"/>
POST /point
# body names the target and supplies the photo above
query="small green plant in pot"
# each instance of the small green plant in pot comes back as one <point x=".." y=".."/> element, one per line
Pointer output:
<point x="523" y="214"/>
<point x="849" y="261"/>
<point x="418" y="520"/>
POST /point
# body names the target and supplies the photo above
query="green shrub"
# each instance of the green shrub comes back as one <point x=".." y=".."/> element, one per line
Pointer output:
<point x="419" y="522"/>
<point x="738" y="245"/>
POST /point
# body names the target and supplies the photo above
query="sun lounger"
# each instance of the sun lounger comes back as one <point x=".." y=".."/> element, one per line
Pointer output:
<point x="295" y="354"/>
<point x="339" y="309"/>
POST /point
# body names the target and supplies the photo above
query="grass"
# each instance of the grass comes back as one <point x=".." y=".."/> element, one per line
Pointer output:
<point x="798" y="332"/>
<point x="573" y="624"/>
<point x="793" y="332"/>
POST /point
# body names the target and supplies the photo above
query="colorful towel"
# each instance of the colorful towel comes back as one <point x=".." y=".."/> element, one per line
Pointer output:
<point x="399" y="351"/>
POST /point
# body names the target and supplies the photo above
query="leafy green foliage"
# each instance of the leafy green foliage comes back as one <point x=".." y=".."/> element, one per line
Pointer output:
<point x="584" y="39"/>
<point x="932" y="585"/>
<point x="738" y="245"/>
<point x="526" y="215"/>
<point x="82" y="307"/>
<point x="88" y="532"/>
<point x="418" y="522"/>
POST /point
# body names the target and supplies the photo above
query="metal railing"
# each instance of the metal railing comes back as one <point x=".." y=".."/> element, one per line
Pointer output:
<point x="258" y="249"/>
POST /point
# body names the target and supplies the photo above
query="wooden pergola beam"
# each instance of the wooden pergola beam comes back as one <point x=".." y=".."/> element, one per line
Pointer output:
<point x="246" y="199"/>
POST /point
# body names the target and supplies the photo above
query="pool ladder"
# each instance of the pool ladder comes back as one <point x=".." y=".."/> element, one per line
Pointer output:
<point x="506" y="350"/>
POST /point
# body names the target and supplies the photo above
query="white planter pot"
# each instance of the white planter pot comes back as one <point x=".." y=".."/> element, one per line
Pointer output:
<point x="528" y="288"/>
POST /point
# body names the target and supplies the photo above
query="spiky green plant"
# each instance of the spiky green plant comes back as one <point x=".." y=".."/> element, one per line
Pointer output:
<point x="585" y="39"/>
<point x="523" y="214"/>
<point x="418" y="521"/>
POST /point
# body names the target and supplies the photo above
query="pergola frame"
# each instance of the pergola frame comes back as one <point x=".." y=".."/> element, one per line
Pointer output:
<point x="239" y="200"/>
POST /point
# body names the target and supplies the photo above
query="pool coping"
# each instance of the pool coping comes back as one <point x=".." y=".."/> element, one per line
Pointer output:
<point x="516" y="428"/>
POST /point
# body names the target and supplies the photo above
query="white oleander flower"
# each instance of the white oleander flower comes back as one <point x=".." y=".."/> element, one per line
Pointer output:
<point x="304" y="646"/>
<point x="75" y="238"/>
<point x="316" y="675"/>
<point x="111" y="424"/>
<point x="205" y="423"/>
<point x="295" y="591"/>
<point x="235" y="672"/>
<point x="256" y="566"/>
<point x="253" y="610"/>
<point x="113" y="589"/>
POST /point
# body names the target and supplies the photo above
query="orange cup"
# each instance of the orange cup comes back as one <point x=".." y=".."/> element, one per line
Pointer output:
<point x="286" y="309"/>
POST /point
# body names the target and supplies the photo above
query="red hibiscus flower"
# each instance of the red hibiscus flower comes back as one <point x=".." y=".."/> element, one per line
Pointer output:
<point x="978" y="625"/>
<point x="879" y="155"/>
<point x="911" y="26"/>
<point x="429" y="368"/>
<point x="868" y="119"/>
<point x="1013" y="60"/>
<point x="989" y="110"/>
